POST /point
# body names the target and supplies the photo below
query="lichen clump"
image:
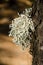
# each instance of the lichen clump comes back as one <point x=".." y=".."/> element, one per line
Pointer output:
<point x="20" y="29"/>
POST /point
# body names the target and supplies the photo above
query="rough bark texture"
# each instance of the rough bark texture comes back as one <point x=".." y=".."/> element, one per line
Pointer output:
<point x="37" y="15"/>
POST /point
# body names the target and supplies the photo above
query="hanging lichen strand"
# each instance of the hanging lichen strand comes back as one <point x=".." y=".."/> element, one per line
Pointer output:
<point x="20" y="28"/>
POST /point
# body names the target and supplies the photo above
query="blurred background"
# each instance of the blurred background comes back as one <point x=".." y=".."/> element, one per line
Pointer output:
<point x="9" y="10"/>
<point x="9" y="53"/>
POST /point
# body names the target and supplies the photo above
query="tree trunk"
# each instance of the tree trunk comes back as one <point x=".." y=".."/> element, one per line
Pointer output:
<point x="37" y="15"/>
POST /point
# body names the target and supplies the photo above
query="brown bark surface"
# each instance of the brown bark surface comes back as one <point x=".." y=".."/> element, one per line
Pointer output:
<point x="37" y="15"/>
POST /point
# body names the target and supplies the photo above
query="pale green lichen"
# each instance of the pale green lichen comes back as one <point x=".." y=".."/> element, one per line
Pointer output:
<point x="20" y="29"/>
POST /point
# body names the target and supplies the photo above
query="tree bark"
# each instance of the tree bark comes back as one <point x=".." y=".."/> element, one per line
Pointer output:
<point x="37" y="15"/>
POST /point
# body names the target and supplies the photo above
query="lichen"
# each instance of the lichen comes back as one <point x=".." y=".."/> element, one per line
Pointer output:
<point x="20" y="28"/>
